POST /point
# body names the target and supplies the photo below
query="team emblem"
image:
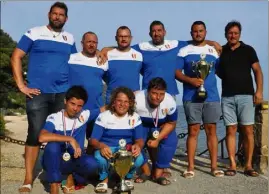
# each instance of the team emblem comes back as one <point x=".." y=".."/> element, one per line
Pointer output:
<point x="167" y="46"/>
<point x="64" y="37"/>
<point x="131" y="122"/>
<point x="81" y="118"/>
<point x="133" y="55"/>
<point x="165" y="111"/>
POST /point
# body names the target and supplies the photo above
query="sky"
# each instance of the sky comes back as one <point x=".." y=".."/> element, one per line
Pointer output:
<point x="105" y="17"/>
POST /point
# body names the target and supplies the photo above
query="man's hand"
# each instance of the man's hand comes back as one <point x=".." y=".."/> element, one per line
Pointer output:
<point x="258" y="98"/>
<point x="218" y="47"/>
<point x="136" y="150"/>
<point x="106" y="152"/>
<point x="153" y="143"/>
<point x="196" y="82"/>
<point x="29" y="91"/>
<point x="76" y="147"/>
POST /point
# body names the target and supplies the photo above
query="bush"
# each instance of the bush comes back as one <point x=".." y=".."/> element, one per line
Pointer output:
<point x="2" y="124"/>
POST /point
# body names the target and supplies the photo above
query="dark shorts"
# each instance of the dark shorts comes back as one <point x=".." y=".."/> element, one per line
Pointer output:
<point x="206" y="112"/>
<point x="38" y="108"/>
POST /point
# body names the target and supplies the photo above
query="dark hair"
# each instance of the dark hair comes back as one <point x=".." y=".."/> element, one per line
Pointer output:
<point x="198" y="23"/>
<point x="157" y="83"/>
<point x="77" y="92"/>
<point x="129" y="93"/>
<point x="89" y="32"/>
<point x="155" y="23"/>
<point x="123" y="28"/>
<point x="232" y="24"/>
<point x="60" y="5"/>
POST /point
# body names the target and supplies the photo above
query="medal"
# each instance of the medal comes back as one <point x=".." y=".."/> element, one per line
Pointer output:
<point x="66" y="156"/>
<point x="155" y="133"/>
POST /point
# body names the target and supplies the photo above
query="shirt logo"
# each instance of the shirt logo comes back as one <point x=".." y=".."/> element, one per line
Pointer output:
<point x="131" y="122"/>
<point x="165" y="111"/>
<point x="64" y="37"/>
<point x="133" y="55"/>
<point x="81" y="119"/>
<point x="210" y="50"/>
<point x="167" y="46"/>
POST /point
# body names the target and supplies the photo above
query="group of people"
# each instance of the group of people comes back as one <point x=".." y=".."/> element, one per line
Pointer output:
<point x="65" y="104"/>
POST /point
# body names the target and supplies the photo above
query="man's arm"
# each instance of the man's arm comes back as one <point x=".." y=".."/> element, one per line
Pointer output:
<point x="46" y="136"/>
<point x="258" y="97"/>
<point x="16" y="64"/>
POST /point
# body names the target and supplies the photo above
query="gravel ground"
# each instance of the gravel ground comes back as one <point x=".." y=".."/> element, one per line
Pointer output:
<point x="12" y="173"/>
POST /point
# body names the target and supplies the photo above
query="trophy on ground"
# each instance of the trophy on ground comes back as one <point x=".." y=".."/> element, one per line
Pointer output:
<point x="122" y="163"/>
<point x="202" y="68"/>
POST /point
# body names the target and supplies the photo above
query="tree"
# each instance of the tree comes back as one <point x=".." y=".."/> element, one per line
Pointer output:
<point x="10" y="97"/>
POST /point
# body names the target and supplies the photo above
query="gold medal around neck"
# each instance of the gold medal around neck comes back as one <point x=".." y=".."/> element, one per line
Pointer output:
<point x="66" y="156"/>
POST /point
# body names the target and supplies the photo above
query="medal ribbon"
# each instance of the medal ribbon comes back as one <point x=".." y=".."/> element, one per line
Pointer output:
<point x="156" y="118"/>
<point x="64" y="127"/>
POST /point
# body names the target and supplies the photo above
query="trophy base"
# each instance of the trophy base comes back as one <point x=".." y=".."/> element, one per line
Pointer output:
<point x="122" y="189"/>
<point x="201" y="95"/>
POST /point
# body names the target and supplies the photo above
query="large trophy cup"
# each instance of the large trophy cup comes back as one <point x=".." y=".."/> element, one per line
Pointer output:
<point x="202" y="68"/>
<point x="122" y="163"/>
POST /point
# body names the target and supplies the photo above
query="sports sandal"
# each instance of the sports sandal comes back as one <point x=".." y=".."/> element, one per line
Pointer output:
<point x="217" y="173"/>
<point x="188" y="174"/>
<point x="101" y="188"/>
<point x="142" y="178"/>
<point x="162" y="181"/>
<point x="230" y="172"/>
<point x="67" y="190"/>
<point x="251" y="172"/>
<point x="25" y="189"/>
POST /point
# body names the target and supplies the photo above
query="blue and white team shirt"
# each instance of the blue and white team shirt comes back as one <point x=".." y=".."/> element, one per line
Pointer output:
<point x="166" y="112"/>
<point x="86" y="72"/>
<point x="160" y="61"/>
<point x="109" y="129"/>
<point x="48" y="56"/>
<point x="123" y="70"/>
<point x="186" y="57"/>
<point x="55" y="124"/>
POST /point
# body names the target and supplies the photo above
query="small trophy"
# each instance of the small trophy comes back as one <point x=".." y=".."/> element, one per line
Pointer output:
<point x="202" y="68"/>
<point x="122" y="163"/>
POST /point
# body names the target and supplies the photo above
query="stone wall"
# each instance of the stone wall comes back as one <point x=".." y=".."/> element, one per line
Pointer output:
<point x="260" y="155"/>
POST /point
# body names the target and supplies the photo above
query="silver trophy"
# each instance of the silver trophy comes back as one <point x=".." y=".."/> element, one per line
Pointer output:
<point x="202" y="68"/>
<point x="122" y="163"/>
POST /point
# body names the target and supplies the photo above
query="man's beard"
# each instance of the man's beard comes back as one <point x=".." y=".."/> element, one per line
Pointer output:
<point x="56" y="27"/>
<point x="199" y="41"/>
<point x="157" y="42"/>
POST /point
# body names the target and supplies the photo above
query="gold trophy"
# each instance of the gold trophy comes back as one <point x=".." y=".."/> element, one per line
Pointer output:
<point x="202" y="68"/>
<point x="122" y="163"/>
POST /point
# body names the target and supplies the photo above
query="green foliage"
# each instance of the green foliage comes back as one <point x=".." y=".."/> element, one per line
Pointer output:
<point x="10" y="97"/>
<point x="2" y="124"/>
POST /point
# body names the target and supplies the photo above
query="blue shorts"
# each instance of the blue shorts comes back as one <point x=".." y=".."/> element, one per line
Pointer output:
<point x="238" y="109"/>
<point x="196" y="112"/>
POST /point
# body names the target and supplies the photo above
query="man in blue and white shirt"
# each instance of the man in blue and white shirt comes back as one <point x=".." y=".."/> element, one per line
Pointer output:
<point x="158" y="113"/>
<point x="49" y="48"/>
<point x="65" y="133"/>
<point x="199" y="110"/>
<point x="85" y="71"/>
<point x="124" y="64"/>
